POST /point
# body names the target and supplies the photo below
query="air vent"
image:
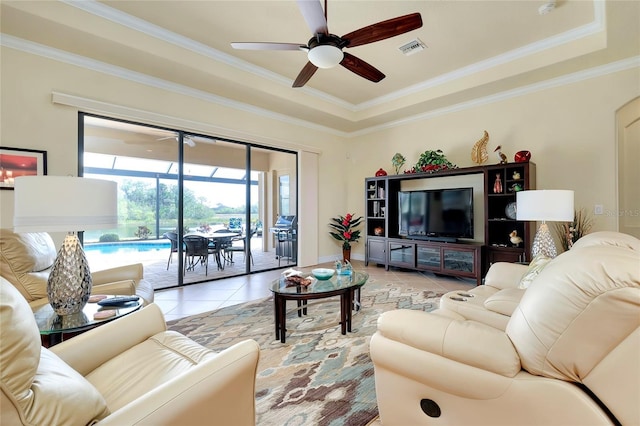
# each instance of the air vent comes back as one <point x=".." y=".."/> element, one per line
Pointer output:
<point x="414" y="46"/>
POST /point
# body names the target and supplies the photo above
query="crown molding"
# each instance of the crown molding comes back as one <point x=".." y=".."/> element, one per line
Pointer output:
<point x="613" y="67"/>
<point x="99" y="9"/>
<point x="104" y="68"/>
<point x="594" y="27"/>
<point x="118" y="17"/>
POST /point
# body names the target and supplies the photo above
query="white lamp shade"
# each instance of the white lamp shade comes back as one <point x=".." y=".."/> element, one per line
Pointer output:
<point x="64" y="204"/>
<point x="325" y="56"/>
<point x="553" y="205"/>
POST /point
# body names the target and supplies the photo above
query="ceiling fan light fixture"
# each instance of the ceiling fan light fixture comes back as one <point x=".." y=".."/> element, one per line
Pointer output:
<point x="325" y="56"/>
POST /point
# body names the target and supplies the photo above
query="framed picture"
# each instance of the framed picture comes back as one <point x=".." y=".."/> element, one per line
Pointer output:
<point x="16" y="162"/>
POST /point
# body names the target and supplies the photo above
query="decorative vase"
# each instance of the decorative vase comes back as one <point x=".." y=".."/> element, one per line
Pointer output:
<point x="346" y="254"/>
<point x="69" y="284"/>
<point x="522" y="157"/>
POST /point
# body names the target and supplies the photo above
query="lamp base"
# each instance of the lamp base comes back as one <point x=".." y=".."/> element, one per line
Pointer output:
<point x="69" y="284"/>
<point x="543" y="243"/>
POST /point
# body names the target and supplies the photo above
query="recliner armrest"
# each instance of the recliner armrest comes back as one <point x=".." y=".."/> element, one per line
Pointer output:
<point x="133" y="272"/>
<point x="87" y="351"/>
<point x="505" y="275"/>
<point x="468" y="342"/>
<point x="126" y="287"/>
<point x="504" y="301"/>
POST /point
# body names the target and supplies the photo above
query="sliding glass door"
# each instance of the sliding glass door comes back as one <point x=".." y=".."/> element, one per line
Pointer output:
<point x="175" y="185"/>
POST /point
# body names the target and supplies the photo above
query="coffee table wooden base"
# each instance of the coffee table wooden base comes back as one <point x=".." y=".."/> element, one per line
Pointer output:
<point x="349" y="300"/>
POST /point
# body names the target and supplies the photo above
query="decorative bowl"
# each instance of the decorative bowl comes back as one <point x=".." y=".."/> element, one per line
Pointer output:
<point x="323" y="273"/>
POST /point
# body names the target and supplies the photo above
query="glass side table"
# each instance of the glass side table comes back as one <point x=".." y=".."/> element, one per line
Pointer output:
<point x="55" y="328"/>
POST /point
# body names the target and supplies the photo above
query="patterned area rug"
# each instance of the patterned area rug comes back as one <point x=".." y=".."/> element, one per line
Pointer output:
<point x="319" y="376"/>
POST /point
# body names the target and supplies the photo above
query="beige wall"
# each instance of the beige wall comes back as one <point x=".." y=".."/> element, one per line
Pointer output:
<point x="29" y="119"/>
<point x="570" y="131"/>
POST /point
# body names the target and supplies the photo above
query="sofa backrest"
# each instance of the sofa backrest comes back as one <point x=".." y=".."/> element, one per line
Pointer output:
<point x="608" y="238"/>
<point x="26" y="259"/>
<point x="579" y="321"/>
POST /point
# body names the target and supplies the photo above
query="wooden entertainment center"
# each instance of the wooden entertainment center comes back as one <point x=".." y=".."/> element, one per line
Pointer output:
<point x="464" y="258"/>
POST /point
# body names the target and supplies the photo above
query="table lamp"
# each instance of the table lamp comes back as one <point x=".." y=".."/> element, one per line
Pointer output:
<point x="553" y="205"/>
<point x="65" y="204"/>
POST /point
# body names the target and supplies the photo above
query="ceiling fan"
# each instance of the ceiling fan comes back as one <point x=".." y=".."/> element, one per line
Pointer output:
<point x="187" y="140"/>
<point x="324" y="49"/>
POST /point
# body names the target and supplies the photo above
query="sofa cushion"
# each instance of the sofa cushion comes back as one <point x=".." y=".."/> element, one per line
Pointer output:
<point x="43" y="388"/>
<point x="28" y="252"/>
<point x="535" y="267"/>
<point x="25" y="261"/>
<point x="150" y="364"/>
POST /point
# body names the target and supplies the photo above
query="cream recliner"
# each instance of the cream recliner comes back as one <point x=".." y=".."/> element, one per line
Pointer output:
<point x="570" y="354"/>
<point x="27" y="258"/>
<point x="494" y="302"/>
<point x="126" y="372"/>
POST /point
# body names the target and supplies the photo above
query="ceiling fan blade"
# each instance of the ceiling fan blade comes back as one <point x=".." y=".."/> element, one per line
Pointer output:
<point x="307" y="72"/>
<point x="360" y="67"/>
<point x="314" y="16"/>
<point x="383" y="30"/>
<point x="268" y="46"/>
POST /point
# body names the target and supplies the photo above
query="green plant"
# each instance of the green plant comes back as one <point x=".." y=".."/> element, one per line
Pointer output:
<point x="109" y="238"/>
<point x="569" y="233"/>
<point x="143" y="232"/>
<point x="344" y="229"/>
<point x="431" y="161"/>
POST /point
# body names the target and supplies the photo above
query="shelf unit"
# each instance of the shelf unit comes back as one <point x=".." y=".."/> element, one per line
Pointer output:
<point x="376" y="216"/>
<point x="498" y="225"/>
<point x="470" y="259"/>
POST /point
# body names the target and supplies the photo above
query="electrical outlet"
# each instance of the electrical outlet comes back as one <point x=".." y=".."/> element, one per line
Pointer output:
<point x="598" y="209"/>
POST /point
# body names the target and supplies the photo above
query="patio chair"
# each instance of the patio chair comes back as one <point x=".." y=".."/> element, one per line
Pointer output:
<point x="196" y="251"/>
<point x="216" y="249"/>
<point x="237" y="248"/>
<point x="173" y="237"/>
<point x="223" y="244"/>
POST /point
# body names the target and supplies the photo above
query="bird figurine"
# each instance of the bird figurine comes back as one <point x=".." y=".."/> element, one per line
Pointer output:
<point x="479" y="151"/>
<point x="501" y="156"/>
<point x="514" y="238"/>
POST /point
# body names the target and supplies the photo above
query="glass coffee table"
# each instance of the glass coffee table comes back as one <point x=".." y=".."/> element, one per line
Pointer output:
<point x="345" y="286"/>
<point x="54" y="328"/>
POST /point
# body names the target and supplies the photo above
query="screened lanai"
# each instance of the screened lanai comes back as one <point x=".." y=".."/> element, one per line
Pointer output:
<point x="172" y="185"/>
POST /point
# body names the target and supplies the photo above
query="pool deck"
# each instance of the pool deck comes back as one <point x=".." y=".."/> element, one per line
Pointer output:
<point x="155" y="263"/>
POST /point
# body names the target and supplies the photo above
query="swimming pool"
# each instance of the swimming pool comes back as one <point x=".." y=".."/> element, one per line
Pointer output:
<point x="122" y="247"/>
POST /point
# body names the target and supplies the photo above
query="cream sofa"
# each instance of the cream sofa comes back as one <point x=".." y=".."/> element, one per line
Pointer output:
<point x="569" y="354"/>
<point x="504" y="285"/>
<point x="27" y="258"/>
<point x="127" y="372"/>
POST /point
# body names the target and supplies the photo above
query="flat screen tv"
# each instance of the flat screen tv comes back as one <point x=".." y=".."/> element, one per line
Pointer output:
<point x="438" y="214"/>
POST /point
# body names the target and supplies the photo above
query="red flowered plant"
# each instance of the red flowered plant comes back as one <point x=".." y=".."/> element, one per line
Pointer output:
<point x="343" y="229"/>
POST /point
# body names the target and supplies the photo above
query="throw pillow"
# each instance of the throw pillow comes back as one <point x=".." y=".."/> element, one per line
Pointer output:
<point x="537" y="264"/>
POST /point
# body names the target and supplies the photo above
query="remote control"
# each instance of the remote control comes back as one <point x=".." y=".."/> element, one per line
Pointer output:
<point x="118" y="300"/>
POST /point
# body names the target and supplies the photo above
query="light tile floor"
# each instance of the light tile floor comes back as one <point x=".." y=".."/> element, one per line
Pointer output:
<point x="198" y="298"/>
